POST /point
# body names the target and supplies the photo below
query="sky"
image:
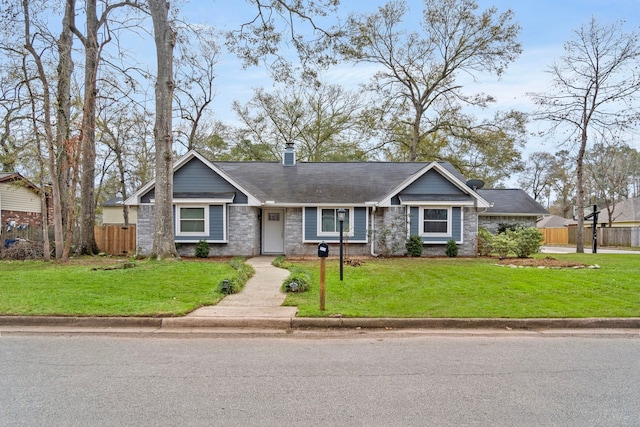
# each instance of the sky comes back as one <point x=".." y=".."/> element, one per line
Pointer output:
<point x="546" y="25"/>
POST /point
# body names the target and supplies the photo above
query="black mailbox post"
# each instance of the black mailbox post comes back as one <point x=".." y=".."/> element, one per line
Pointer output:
<point x="323" y="253"/>
<point x="323" y="250"/>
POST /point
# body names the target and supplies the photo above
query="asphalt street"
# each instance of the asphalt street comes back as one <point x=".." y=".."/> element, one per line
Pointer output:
<point x="507" y="379"/>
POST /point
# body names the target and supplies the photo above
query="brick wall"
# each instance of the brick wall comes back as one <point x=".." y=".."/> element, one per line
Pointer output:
<point x="33" y="219"/>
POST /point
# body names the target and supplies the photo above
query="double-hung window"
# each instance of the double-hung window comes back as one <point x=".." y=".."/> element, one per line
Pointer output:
<point x="192" y="221"/>
<point x="436" y="221"/>
<point x="329" y="225"/>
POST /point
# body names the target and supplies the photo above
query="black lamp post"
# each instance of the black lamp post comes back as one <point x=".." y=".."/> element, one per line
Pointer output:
<point x="341" y="215"/>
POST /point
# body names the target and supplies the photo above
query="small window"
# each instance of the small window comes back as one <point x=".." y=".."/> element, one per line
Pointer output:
<point x="329" y="224"/>
<point x="435" y="221"/>
<point x="192" y="220"/>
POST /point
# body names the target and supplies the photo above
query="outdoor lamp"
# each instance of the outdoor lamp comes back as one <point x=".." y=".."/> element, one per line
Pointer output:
<point x="342" y="213"/>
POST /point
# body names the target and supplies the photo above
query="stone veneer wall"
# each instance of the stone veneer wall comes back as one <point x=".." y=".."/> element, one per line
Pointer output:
<point x="243" y="228"/>
<point x="391" y="219"/>
<point x="293" y="234"/>
<point x="144" y="230"/>
<point x="492" y="223"/>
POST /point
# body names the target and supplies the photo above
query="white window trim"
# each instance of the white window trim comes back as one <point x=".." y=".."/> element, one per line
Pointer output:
<point x="206" y="220"/>
<point x="347" y="232"/>
<point x="421" y="219"/>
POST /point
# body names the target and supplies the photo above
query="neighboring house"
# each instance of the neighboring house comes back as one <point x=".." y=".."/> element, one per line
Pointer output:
<point x="555" y="221"/>
<point x="20" y="204"/>
<point x="252" y="208"/>
<point x="113" y="214"/>
<point x="509" y="206"/>
<point x="625" y="214"/>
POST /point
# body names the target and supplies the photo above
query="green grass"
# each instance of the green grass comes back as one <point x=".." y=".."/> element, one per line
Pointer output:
<point x="466" y="288"/>
<point x="151" y="288"/>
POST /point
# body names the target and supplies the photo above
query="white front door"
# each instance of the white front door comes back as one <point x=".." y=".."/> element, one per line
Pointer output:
<point x="273" y="231"/>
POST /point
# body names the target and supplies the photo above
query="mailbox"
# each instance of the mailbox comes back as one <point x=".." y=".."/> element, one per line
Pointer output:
<point x="323" y="250"/>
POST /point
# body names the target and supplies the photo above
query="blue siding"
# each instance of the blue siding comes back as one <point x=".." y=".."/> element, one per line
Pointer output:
<point x="432" y="183"/>
<point x="415" y="227"/>
<point x="216" y="222"/>
<point x="216" y="225"/>
<point x="199" y="181"/>
<point x="414" y="221"/>
<point x="359" y="225"/>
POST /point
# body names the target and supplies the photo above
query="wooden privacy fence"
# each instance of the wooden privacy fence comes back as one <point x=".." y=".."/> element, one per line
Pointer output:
<point x="555" y="236"/>
<point x="116" y="239"/>
<point x="614" y="236"/>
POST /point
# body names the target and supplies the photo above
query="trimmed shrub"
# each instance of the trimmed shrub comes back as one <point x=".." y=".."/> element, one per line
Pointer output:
<point x="235" y="284"/>
<point x="484" y="241"/>
<point x="202" y="249"/>
<point x="502" y="245"/>
<point x="526" y="241"/>
<point x="451" y="249"/>
<point x="280" y="262"/>
<point x="298" y="281"/>
<point x="414" y="246"/>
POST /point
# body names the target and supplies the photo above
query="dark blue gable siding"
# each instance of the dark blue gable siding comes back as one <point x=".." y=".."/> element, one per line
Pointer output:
<point x="359" y="226"/>
<point x="456" y="225"/>
<point x="197" y="180"/>
<point x="429" y="183"/>
<point x="216" y="225"/>
<point x="432" y="183"/>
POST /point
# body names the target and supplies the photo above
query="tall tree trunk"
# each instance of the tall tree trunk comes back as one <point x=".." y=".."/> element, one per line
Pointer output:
<point x="580" y="191"/>
<point x="60" y="171"/>
<point x="163" y="234"/>
<point x="87" y="241"/>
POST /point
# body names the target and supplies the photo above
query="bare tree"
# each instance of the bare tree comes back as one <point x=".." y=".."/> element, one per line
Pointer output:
<point x="325" y="122"/>
<point x="56" y="136"/>
<point x="595" y="91"/>
<point x="95" y="26"/>
<point x="609" y="170"/>
<point x="536" y="178"/>
<point x="419" y="73"/>
<point x="195" y="89"/>
<point x="276" y="22"/>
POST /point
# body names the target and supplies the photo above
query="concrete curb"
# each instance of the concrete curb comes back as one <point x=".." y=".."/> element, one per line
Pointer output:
<point x="227" y="322"/>
<point x="88" y="322"/>
<point x="457" y="323"/>
<point x="301" y="323"/>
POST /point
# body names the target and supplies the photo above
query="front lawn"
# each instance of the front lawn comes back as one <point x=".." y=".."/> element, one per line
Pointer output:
<point x="85" y="288"/>
<point x="467" y="288"/>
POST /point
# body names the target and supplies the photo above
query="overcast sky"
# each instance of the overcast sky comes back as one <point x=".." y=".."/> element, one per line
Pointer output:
<point x="546" y="25"/>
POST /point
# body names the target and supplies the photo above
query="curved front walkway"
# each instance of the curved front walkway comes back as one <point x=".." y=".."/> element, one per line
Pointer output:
<point x="260" y="298"/>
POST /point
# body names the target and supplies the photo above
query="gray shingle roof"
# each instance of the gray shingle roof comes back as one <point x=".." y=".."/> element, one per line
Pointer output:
<point x="325" y="182"/>
<point x="625" y="210"/>
<point x="511" y="201"/>
<point x="348" y="183"/>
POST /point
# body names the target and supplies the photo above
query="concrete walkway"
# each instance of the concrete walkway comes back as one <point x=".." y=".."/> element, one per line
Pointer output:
<point x="259" y="304"/>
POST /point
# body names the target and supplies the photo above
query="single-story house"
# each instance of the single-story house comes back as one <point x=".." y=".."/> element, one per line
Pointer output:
<point x="626" y="213"/>
<point x="555" y="221"/>
<point x="20" y="204"/>
<point x="289" y="207"/>
<point x="113" y="213"/>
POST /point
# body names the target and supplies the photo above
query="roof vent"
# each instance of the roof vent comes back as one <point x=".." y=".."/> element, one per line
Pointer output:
<point x="289" y="157"/>
<point x="475" y="184"/>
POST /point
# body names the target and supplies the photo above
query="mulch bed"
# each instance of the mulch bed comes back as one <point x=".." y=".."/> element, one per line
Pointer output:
<point x="546" y="262"/>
